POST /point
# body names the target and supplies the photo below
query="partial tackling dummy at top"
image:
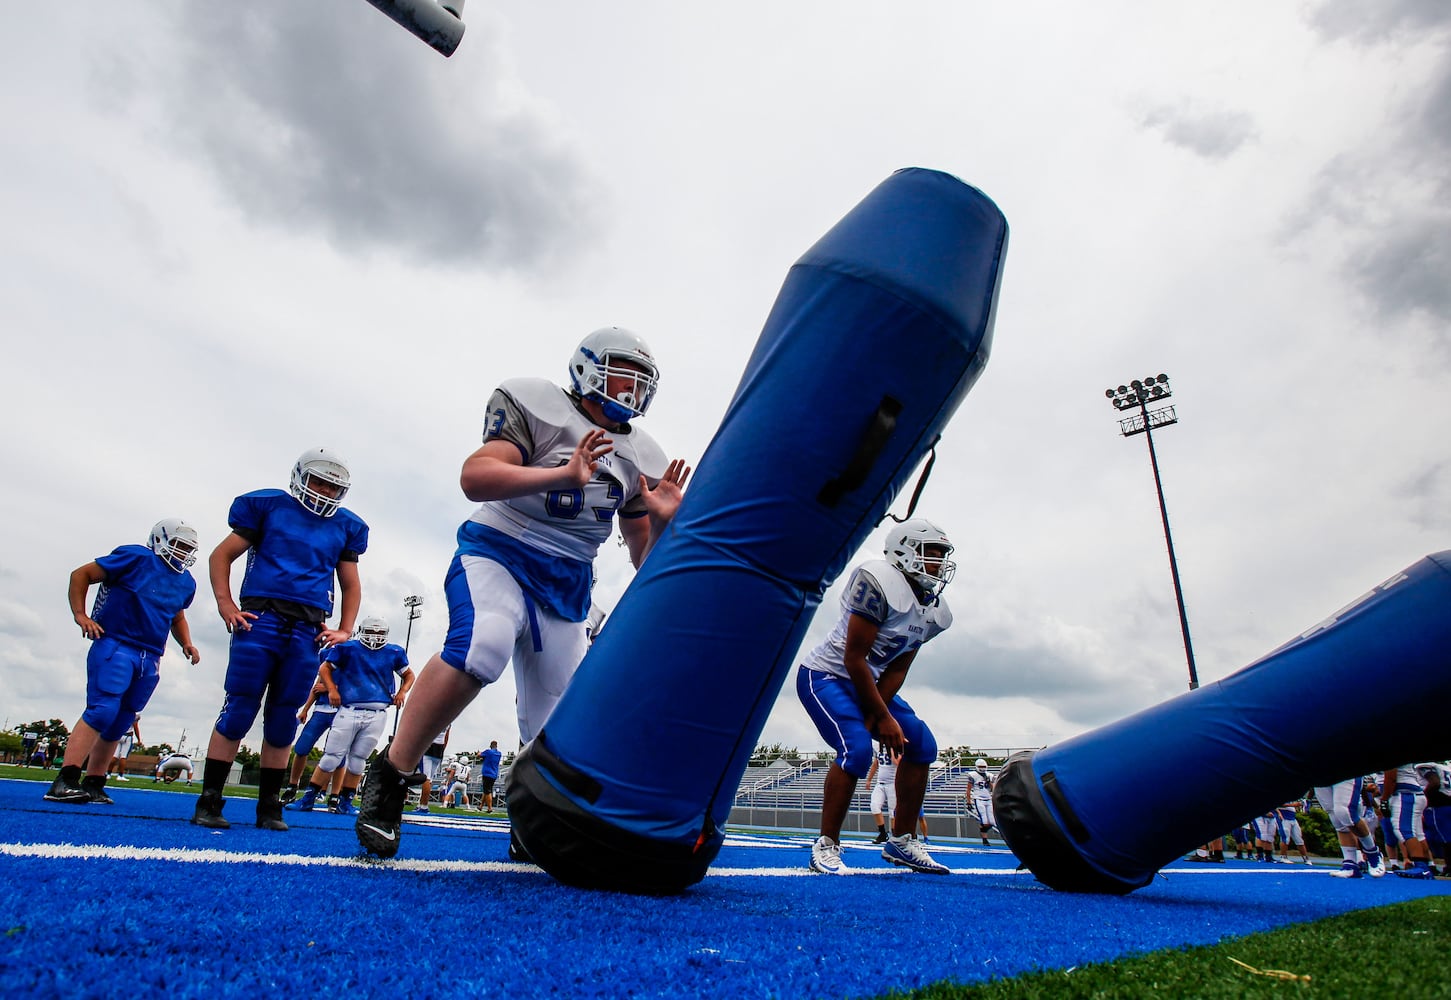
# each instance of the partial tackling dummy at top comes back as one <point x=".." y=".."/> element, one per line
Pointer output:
<point x="439" y="24"/>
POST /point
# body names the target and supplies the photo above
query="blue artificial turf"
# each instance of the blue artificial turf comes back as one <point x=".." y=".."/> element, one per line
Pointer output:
<point x="113" y="926"/>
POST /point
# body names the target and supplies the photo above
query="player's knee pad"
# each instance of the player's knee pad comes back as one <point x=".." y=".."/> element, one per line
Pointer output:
<point x="357" y="762"/>
<point x="1340" y="817"/>
<point x="102" y="712"/>
<point x="119" y="726"/>
<point x="279" y="725"/>
<point x="855" y="757"/>
<point x="921" y="745"/>
<point x="239" y="711"/>
<point x="330" y="762"/>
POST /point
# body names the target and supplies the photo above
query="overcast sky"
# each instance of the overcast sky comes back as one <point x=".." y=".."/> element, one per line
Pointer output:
<point x="232" y="232"/>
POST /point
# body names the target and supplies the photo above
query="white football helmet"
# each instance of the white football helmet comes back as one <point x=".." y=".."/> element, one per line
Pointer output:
<point x="373" y="633"/>
<point x="599" y="356"/>
<point x="320" y="465"/>
<point x="981" y="764"/>
<point x="175" y="541"/>
<point x="905" y="549"/>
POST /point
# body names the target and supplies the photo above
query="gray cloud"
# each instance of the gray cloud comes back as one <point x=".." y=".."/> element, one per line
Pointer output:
<point x="1213" y="135"/>
<point x="1385" y="20"/>
<point x="328" y="117"/>
<point x="1428" y="497"/>
<point x="1390" y="200"/>
<point x="18" y="621"/>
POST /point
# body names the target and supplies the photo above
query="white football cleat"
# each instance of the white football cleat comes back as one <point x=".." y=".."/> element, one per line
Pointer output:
<point x="826" y="857"/>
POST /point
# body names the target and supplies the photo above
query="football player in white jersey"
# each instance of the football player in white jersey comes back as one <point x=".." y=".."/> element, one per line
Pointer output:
<point x="849" y="686"/>
<point x="1402" y="793"/>
<point x="882" y="780"/>
<point x="556" y="469"/>
<point x="982" y="797"/>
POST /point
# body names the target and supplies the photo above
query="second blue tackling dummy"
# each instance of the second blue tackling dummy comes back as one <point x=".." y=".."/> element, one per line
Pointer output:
<point x="876" y="336"/>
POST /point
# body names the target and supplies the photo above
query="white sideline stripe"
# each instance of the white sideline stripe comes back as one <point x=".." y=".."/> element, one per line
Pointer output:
<point x="93" y="852"/>
<point x="99" y="852"/>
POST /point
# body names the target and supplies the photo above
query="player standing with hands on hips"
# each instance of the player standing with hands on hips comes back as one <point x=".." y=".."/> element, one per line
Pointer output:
<point x="849" y="686"/>
<point x="145" y="591"/>
<point x="296" y="541"/>
<point x="555" y="469"/>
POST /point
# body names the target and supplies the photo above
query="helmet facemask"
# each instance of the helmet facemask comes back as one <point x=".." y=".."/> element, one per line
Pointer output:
<point x="319" y="482"/>
<point x="621" y="356"/>
<point x="921" y="551"/>
<point x="373" y="633"/>
<point x="175" y="542"/>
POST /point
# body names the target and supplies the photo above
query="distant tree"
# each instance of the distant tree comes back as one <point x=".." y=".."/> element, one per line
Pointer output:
<point x="11" y="744"/>
<point x="764" y="754"/>
<point x="248" y="758"/>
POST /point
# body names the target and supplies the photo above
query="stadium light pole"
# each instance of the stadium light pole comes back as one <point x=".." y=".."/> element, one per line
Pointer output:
<point x="1137" y="395"/>
<point x="410" y="605"/>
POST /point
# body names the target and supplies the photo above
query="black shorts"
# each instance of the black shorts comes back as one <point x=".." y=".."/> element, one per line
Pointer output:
<point x="488" y="786"/>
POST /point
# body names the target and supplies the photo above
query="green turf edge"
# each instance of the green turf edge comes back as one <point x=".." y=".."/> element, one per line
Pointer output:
<point x="1391" y="951"/>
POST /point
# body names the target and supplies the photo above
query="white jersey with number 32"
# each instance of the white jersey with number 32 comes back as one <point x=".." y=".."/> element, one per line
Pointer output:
<point x="879" y="592"/>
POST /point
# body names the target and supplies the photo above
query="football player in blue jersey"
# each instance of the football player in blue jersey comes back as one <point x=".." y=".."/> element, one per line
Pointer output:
<point x="144" y="593"/>
<point x="296" y="541"/>
<point x="359" y="677"/>
<point x="556" y="469"/>
<point x="316" y="717"/>
<point x="849" y="686"/>
<point x="489" y="775"/>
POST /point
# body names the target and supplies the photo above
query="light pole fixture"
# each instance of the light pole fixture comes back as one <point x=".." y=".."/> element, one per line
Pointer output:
<point x="1137" y="395"/>
<point x="410" y="604"/>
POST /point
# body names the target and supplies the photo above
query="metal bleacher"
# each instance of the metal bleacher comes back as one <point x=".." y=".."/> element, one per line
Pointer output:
<point x="786" y="794"/>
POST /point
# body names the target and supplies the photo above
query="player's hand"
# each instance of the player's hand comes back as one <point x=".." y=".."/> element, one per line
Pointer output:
<point x="334" y="698"/>
<point x="235" y="618"/>
<point x="398" y="700"/>
<point x="191" y="653"/>
<point x="663" y="499"/>
<point x="887" y="732"/>
<point x="90" y="628"/>
<point x="331" y="637"/>
<point x="584" y="461"/>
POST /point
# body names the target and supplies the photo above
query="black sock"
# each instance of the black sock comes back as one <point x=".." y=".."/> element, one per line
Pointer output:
<point x="269" y="782"/>
<point x="214" y="774"/>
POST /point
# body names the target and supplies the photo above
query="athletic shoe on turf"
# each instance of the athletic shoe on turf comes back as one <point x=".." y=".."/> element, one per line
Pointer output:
<point x="209" y="810"/>
<point x="288" y="793"/>
<point x="122" y="777"/>
<point x="94" y="785"/>
<point x="911" y="854"/>
<point x="70" y="791"/>
<point x="1347" y="869"/>
<point x="1375" y="865"/>
<point x="306" y="803"/>
<point x="881" y="837"/>
<point x="1417" y="871"/>
<point x="345" y="807"/>
<point x="269" y="815"/>
<point x="380" y="812"/>
<point x="421" y="811"/>
<point x="826" y="857"/>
